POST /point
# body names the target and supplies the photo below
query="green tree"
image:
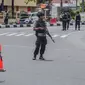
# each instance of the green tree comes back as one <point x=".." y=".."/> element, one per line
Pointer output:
<point x="73" y="13"/>
<point x="81" y="7"/>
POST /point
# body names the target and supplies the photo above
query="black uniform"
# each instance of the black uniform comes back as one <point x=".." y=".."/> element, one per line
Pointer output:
<point x="41" y="38"/>
<point x="64" y="21"/>
<point x="77" y="21"/>
<point x="6" y="19"/>
<point x="68" y="20"/>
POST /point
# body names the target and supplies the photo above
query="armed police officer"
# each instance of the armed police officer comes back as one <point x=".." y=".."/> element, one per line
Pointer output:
<point x="40" y="32"/>
<point x="68" y="20"/>
<point x="77" y="21"/>
<point x="64" y="21"/>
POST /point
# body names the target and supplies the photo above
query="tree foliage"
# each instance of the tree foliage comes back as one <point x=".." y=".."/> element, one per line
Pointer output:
<point x="81" y="7"/>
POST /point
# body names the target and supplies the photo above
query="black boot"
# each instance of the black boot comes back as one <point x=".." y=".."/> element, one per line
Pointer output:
<point x="34" y="58"/>
<point x="41" y="57"/>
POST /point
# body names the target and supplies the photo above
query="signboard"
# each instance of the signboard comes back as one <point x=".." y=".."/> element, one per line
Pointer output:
<point x="21" y="2"/>
<point x="28" y="1"/>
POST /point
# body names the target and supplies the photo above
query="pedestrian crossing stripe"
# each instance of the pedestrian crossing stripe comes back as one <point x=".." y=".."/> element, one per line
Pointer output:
<point x="11" y="34"/>
<point x="20" y="34"/>
<point x="3" y="34"/>
<point x="29" y="34"/>
<point x="63" y="36"/>
<point x="55" y="35"/>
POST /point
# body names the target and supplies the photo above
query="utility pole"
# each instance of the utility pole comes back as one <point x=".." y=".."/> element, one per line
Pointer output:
<point x="61" y="5"/>
<point x="12" y="8"/>
<point x="2" y="5"/>
<point x="76" y="4"/>
<point x="82" y="5"/>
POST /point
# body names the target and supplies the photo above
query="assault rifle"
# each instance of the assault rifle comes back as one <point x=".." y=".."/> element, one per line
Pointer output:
<point x="47" y="32"/>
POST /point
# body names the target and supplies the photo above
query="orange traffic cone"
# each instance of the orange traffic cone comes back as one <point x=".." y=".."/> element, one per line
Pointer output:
<point x="1" y="62"/>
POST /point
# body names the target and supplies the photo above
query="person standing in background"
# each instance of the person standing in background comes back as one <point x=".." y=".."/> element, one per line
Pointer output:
<point x="6" y="18"/>
<point x="77" y="21"/>
<point x="68" y="20"/>
<point x="64" y="21"/>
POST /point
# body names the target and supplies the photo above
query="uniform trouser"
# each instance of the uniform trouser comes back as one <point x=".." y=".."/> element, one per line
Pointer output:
<point x="6" y="21"/>
<point x="77" y="25"/>
<point x="64" y="25"/>
<point x="40" y="45"/>
<point x="68" y="22"/>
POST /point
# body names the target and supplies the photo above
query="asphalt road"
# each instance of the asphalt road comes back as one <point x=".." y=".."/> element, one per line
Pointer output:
<point x="65" y="63"/>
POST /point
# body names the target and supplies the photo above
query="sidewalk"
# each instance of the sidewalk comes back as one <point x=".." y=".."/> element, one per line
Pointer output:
<point x="10" y="20"/>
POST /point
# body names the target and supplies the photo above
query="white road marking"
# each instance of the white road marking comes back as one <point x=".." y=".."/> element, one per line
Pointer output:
<point x="66" y="35"/>
<point x="11" y="34"/>
<point x="29" y="34"/>
<point x="20" y="34"/>
<point x="63" y="36"/>
<point x="55" y="35"/>
<point x="3" y="34"/>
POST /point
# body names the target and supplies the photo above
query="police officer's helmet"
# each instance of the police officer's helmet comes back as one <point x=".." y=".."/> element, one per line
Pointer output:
<point x="39" y="14"/>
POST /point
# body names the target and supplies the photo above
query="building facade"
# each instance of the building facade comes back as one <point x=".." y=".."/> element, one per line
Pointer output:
<point x="20" y="5"/>
<point x="59" y="1"/>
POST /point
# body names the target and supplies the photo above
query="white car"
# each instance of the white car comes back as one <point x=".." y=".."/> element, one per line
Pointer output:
<point x="33" y="16"/>
<point x="29" y="20"/>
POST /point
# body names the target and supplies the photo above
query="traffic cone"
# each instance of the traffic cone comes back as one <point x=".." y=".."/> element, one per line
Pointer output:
<point x="1" y="61"/>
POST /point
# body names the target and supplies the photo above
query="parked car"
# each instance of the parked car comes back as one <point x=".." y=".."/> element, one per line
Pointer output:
<point x="29" y="21"/>
<point x="24" y="17"/>
<point x="21" y="17"/>
<point x="33" y="16"/>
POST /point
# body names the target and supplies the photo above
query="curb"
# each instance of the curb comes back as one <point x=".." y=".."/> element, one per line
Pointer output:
<point x="31" y="25"/>
<point x="14" y="25"/>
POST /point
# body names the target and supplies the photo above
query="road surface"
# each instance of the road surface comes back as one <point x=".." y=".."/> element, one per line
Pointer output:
<point x="66" y="57"/>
